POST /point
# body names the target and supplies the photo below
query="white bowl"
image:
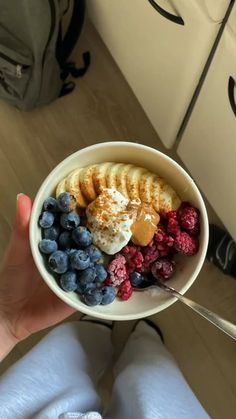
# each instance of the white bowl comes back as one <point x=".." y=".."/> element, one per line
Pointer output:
<point x="140" y="304"/>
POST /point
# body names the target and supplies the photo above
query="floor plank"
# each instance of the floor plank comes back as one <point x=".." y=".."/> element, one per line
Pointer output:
<point x="103" y="108"/>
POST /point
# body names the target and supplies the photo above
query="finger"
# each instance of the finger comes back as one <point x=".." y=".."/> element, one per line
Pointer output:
<point x="23" y="211"/>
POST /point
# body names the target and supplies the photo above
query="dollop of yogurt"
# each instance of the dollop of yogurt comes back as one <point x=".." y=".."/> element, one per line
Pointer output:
<point x="110" y="217"/>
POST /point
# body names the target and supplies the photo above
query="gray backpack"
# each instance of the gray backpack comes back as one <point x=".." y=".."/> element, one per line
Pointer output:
<point x="34" y="51"/>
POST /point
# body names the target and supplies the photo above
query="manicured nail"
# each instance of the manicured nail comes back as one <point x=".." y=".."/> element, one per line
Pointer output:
<point x="18" y="195"/>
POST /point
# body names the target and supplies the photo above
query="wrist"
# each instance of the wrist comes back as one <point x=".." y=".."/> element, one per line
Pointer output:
<point x="7" y="339"/>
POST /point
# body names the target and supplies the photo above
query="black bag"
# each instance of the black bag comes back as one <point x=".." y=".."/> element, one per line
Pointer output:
<point x="34" y="51"/>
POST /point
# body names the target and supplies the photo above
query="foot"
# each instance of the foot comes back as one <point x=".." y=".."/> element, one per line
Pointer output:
<point x="151" y="324"/>
<point x="103" y="322"/>
<point x="222" y="250"/>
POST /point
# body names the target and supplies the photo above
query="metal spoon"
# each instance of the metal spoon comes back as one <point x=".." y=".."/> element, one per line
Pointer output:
<point x="224" y="325"/>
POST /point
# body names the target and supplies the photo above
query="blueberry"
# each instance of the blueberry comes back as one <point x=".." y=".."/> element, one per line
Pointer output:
<point x="46" y="219"/>
<point x="94" y="253"/>
<point x="70" y="251"/>
<point x="88" y="275"/>
<point x="136" y="279"/>
<point x="92" y="297"/>
<point x="69" y="221"/>
<point x="58" y="262"/>
<point x="51" y="233"/>
<point x="108" y="295"/>
<point x="66" y="202"/>
<point x="147" y="280"/>
<point x="48" y="246"/>
<point x="68" y="281"/>
<point x="101" y="273"/>
<point x="50" y="204"/>
<point x="82" y="236"/>
<point x="92" y="264"/>
<point x="83" y="288"/>
<point x="79" y="260"/>
<point x="65" y="240"/>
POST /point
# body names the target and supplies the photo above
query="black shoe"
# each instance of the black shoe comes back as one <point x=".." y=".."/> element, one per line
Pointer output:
<point x="222" y="250"/>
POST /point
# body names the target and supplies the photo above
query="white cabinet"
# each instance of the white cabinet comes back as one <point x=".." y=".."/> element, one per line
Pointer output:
<point x="161" y="47"/>
<point x="208" y="146"/>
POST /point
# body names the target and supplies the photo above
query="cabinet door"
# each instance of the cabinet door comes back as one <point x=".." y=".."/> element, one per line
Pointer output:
<point x="161" y="47"/>
<point x="208" y="146"/>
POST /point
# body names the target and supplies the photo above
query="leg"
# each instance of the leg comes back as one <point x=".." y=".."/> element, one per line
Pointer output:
<point x="57" y="375"/>
<point x="148" y="382"/>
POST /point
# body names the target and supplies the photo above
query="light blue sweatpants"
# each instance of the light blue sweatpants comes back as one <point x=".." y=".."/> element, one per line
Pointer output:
<point x="57" y="378"/>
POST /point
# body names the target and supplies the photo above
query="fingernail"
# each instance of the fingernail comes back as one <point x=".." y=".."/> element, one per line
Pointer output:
<point x="18" y="195"/>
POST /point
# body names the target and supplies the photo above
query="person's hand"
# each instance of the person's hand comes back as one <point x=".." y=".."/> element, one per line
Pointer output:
<point x="27" y="305"/>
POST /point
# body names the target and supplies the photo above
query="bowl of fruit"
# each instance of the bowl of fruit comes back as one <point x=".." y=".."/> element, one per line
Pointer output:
<point x="113" y="218"/>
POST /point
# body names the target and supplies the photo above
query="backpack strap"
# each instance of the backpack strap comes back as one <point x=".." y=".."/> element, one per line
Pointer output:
<point x="71" y="69"/>
<point x="67" y="88"/>
<point x="66" y="45"/>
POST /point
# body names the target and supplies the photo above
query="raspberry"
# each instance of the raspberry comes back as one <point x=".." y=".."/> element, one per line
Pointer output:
<point x="189" y="218"/>
<point x="164" y="242"/>
<point x="125" y="290"/>
<point x="150" y="254"/>
<point x="161" y="234"/>
<point x="163" y="269"/>
<point x="134" y="258"/>
<point x="171" y="214"/>
<point x="169" y="241"/>
<point x="130" y="250"/>
<point x="117" y="270"/>
<point x="159" y="237"/>
<point x="173" y="226"/>
<point x="185" y="244"/>
<point x="184" y="204"/>
<point x="195" y="231"/>
<point x="163" y="249"/>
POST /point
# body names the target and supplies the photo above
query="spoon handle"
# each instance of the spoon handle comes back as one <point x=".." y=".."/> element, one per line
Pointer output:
<point x="226" y="326"/>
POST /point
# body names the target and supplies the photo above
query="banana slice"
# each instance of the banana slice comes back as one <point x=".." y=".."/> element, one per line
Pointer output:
<point x="86" y="183"/>
<point x="157" y="186"/>
<point x="61" y="187"/>
<point x="168" y="199"/>
<point x="133" y="180"/>
<point x="112" y="175"/>
<point x="176" y="201"/>
<point x="121" y="180"/>
<point x="100" y="176"/>
<point x="73" y="186"/>
<point x="146" y="187"/>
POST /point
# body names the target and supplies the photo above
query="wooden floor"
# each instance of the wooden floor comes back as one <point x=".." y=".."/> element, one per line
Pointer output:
<point x="103" y="108"/>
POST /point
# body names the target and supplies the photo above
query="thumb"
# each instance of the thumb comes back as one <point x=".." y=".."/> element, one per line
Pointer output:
<point x="23" y="211"/>
<point x="19" y="249"/>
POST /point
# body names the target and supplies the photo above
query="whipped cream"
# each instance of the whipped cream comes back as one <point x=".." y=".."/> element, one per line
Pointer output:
<point x="110" y="217"/>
